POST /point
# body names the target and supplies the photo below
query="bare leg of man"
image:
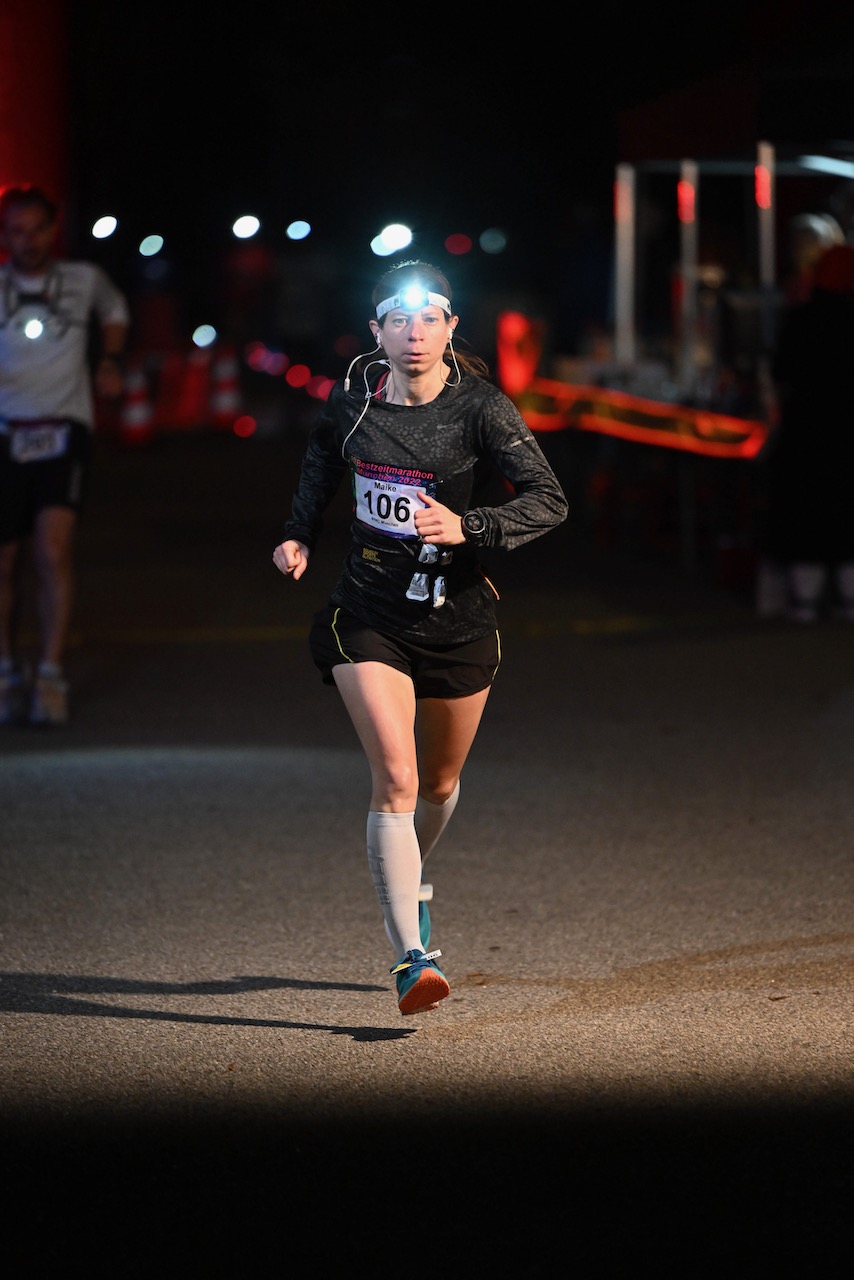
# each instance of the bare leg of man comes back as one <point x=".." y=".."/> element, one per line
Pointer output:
<point x="53" y="547"/>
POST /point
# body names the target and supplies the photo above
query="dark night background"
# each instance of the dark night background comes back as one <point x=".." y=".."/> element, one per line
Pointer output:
<point x="454" y="118"/>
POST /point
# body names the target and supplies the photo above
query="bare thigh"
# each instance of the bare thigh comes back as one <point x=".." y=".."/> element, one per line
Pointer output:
<point x="405" y="757"/>
<point x="381" y="704"/>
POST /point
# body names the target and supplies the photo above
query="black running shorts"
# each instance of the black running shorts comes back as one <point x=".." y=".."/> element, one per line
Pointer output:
<point x="444" y="671"/>
<point x="32" y="479"/>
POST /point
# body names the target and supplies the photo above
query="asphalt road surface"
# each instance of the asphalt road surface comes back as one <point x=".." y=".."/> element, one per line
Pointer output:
<point x="645" y="905"/>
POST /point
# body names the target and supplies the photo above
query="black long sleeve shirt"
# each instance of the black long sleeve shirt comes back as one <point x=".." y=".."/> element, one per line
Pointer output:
<point x="390" y="452"/>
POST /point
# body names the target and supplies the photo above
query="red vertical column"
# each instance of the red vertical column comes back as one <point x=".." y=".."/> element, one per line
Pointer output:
<point x="34" y="98"/>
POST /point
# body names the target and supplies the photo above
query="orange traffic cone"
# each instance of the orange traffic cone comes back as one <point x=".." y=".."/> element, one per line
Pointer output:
<point x="136" y="420"/>
<point x="225" y="407"/>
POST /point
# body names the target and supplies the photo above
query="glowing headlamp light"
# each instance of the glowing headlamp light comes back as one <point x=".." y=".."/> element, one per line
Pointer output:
<point x="413" y="299"/>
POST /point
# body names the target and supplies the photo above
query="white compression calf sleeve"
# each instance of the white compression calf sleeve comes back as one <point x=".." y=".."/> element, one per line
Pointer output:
<point x="394" y="858"/>
<point x="431" y="819"/>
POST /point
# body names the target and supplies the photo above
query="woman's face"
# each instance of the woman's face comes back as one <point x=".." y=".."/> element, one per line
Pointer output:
<point x="414" y="340"/>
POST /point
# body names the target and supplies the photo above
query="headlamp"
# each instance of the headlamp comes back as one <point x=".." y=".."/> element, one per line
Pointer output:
<point x="414" y="298"/>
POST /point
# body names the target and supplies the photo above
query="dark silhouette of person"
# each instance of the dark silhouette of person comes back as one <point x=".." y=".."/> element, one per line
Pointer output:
<point x="809" y="455"/>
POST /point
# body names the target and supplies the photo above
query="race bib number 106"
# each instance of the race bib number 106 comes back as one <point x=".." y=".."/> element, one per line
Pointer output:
<point x="386" y="497"/>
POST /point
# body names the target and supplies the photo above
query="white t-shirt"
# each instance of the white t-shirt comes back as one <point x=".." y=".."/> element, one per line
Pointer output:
<point x="44" y="338"/>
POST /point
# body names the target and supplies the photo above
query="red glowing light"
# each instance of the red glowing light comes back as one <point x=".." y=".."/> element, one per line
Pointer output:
<point x="245" y="426"/>
<point x="762" y="186"/>
<point x="255" y="355"/>
<point x="319" y="387"/>
<point x="458" y="243"/>
<point x="298" y="375"/>
<point x="685" y="200"/>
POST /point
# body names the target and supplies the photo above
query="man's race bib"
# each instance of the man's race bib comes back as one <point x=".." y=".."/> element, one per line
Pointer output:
<point x="38" y="444"/>
<point x="386" y="497"/>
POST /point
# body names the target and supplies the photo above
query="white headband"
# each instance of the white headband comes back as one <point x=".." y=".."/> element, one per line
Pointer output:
<point x="413" y="298"/>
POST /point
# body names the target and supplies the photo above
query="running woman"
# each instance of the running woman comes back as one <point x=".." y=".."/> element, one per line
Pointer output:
<point x="410" y="632"/>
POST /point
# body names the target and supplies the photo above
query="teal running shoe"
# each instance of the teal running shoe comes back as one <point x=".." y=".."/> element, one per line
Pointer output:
<point x="420" y="983"/>
<point x="425" y="895"/>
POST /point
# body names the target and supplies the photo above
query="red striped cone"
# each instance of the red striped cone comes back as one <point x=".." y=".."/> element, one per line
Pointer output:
<point x="136" y="420"/>
<point x="225" y="407"/>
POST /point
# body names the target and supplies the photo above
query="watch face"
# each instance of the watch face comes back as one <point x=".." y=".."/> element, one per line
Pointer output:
<point x="473" y="524"/>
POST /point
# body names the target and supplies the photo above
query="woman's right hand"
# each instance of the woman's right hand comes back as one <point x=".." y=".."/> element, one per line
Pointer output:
<point x="291" y="558"/>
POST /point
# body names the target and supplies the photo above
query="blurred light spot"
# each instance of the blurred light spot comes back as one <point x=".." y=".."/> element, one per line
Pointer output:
<point x="255" y="355"/>
<point x="392" y="238"/>
<point x="686" y="200"/>
<point x="298" y="375"/>
<point x="204" y="335"/>
<point x="762" y="187"/>
<point x="245" y="426"/>
<point x="104" y="227"/>
<point x="827" y="164"/>
<point x="458" y="243"/>
<point x="33" y="329"/>
<point x="319" y="386"/>
<point x="246" y="226"/>
<point x="263" y="359"/>
<point x="493" y="240"/>
<point x="150" y="245"/>
<point x="298" y="230"/>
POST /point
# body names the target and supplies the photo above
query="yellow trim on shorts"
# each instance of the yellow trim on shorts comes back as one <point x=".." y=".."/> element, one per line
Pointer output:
<point x="337" y="637"/>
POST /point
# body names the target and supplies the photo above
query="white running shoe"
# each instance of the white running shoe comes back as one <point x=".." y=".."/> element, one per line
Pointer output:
<point x="49" y="704"/>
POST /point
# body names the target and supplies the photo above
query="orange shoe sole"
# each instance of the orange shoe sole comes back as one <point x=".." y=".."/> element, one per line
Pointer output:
<point x="425" y="994"/>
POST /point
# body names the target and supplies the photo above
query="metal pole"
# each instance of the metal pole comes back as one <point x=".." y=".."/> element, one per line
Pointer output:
<point x="687" y="200"/>
<point x="625" y="350"/>
<point x="687" y="197"/>
<point x="765" y="191"/>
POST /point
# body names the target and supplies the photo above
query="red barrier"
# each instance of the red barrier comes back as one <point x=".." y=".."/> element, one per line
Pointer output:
<point x="549" y="405"/>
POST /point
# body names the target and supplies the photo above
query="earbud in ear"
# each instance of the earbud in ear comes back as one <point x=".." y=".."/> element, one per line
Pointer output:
<point x="379" y="339"/>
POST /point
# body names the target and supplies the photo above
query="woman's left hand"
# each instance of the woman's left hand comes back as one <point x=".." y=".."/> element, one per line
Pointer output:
<point x="438" y="524"/>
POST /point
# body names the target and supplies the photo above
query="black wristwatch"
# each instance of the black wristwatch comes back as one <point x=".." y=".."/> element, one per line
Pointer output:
<point x="474" y="528"/>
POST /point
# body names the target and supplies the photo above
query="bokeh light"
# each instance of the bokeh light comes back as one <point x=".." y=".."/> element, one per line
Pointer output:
<point x="104" y="227"/>
<point x="204" y="335"/>
<point x="493" y="240"/>
<point x="298" y="375"/>
<point x="391" y="239"/>
<point x="246" y="226"/>
<point x="458" y="243"/>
